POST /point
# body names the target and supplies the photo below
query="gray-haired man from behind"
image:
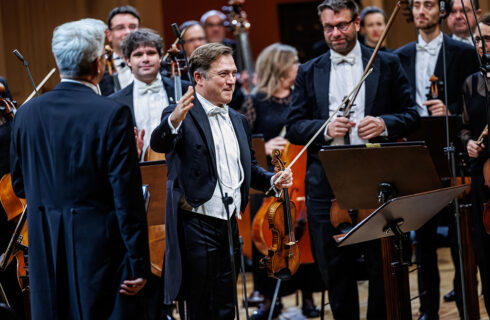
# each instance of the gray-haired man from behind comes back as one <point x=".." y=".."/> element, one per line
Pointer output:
<point x="73" y="157"/>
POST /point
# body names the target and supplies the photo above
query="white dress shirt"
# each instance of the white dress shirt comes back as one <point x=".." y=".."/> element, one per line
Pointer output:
<point x="230" y="170"/>
<point x="466" y="40"/>
<point x="344" y="76"/>
<point x="124" y="74"/>
<point x="425" y="64"/>
<point x="149" y="101"/>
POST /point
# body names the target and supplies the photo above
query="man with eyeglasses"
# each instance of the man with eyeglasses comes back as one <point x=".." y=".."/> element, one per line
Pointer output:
<point x="194" y="36"/>
<point x="121" y="21"/>
<point x="474" y="121"/>
<point x="420" y="60"/>
<point x="383" y="111"/>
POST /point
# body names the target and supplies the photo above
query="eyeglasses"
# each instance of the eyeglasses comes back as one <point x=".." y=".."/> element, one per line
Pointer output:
<point x="343" y="26"/>
<point x="486" y="38"/>
<point x="210" y="24"/>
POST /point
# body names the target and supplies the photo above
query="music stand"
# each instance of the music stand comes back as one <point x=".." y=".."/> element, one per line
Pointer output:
<point x="432" y="131"/>
<point x="363" y="178"/>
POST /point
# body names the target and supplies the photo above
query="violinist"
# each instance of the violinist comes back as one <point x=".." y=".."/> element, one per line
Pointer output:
<point x="266" y="110"/>
<point x="420" y="60"/>
<point x="194" y="36"/>
<point x="474" y="121"/>
<point x="383" y="111"/>
<point x="73" y="157"/>
<point x="121" y="21"/>
<point x="150" y="92"/>
<point x="208" y="149"/>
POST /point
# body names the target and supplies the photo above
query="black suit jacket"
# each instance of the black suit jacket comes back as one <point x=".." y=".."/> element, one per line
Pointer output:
<point x="461" y="61"/>
<point x="191" y="162"/>
<point x="387" y="95"/>
<point x="125" y="96"/>
<point x="73" y="156"/>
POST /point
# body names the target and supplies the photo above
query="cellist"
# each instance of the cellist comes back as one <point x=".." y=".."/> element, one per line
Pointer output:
<point x="383" y="110"/>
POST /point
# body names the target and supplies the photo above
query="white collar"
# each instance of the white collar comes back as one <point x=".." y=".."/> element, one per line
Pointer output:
<point x="207" y="105"/>
<point x="85" y="83"/>
<point x="356" y="51"/>
<point x="157" y="81"/>
<point x="435" y="43"/>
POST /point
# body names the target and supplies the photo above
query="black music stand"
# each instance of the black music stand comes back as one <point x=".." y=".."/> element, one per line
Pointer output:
<point x="364" y="178"/>
<point x="432" y="131"/>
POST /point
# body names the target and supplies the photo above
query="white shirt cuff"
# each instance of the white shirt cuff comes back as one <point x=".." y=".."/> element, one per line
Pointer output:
<point x="325" y="135"/>
<point x="172" y="129"/>
<point x="278" y="192"/>
<point x="384" y="133"/>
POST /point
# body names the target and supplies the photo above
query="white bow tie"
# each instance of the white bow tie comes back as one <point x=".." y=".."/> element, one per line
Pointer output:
<point x="152" y="87"/>
<point x="427" y="48"/>
<point x="338" y="58"/>
<point x="223" y="111"/>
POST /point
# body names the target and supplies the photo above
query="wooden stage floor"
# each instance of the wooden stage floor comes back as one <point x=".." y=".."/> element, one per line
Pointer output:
<point x="448" y="311"/>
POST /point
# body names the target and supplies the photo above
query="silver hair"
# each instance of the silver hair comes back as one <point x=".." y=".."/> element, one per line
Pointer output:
<point x="77" y="44"/>
<point x="211" y="13"/>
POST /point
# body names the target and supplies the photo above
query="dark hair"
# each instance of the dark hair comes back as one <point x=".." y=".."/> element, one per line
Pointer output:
<point x="188" y="24"/>
<point x="123" y="10"/>
<point x="485" y="19"/>
<point x="337" y="5"/>
<point x="370" y="10"/>
<point x="476" y="3"/>
<point x="146" y="37"/>
<point x="202" y="58"/>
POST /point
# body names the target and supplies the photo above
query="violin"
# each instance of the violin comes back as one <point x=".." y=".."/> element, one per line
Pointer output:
<point x="111" y="67"/>
<point x="283" y="258"/>
<point x="436" y="89"/>
<point x="7" y="106"/>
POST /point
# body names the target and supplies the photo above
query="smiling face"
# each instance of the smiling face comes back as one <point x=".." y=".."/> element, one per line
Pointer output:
<point x="121" y="25"/>
<point x="218" y="87"/>
<point x="340" y="30"/>
<point x="145" y="63"/>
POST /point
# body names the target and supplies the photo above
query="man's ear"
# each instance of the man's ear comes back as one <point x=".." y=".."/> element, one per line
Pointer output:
<point x="108" y="34"/>
<point x="198" y="77"/>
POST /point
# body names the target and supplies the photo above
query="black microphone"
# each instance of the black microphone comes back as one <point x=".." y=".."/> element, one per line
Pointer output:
<point x="176" y="31"/>
<point x="21" y="58"/>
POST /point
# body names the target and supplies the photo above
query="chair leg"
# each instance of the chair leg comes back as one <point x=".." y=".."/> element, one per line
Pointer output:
<point x="322" y="317"/>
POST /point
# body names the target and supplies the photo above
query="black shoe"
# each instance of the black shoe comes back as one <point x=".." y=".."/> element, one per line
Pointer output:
<point x="310" y="311"/>
<point x="424" y="316"/>
<point x="262" y="313"/>
<point x="450" y="296"/>
<point x="254" y="299"/>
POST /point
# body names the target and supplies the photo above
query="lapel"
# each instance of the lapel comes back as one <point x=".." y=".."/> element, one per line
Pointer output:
<point x="169" y="87"/>
<point x="202" y="122"/>
<point x="128" y="97"/>
<point x="321" y="76"/>
<point x="371" y="83"/>
<point x="412" y="53"/>
<point x="439" y="70"/>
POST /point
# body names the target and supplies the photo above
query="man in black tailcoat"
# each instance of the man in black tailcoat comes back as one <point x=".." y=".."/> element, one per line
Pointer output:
<point x="74" y="159"/>
<point x="383" y="111"/>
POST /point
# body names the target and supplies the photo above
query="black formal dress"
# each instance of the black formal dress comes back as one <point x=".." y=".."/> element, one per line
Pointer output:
<point x="73" y="156"/>
<point x="474" y="121"/>
<point x="388" y="96"/>
<point x="197" y="262"/>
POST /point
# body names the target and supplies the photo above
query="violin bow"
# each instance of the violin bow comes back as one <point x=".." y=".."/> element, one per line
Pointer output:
<point x="40" y="85"/>
<point x="347" y="100"/>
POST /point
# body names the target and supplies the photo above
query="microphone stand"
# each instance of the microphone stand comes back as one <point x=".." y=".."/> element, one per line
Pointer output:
<point x="227" y="200"/>
<point x="26" y="64"/>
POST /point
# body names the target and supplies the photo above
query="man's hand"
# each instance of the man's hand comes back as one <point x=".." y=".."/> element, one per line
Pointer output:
<point x="183" y="106"/>
<point x="370" y="127"/>
<point x="474" y="149"/>
<point x="132" y="287"/>
<point x="139" y="140"/>
<point x="275" y="143"/>
<point x="436" y="107"/>
<point x="286" y="180"/>
<point x="339" y="127"/>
